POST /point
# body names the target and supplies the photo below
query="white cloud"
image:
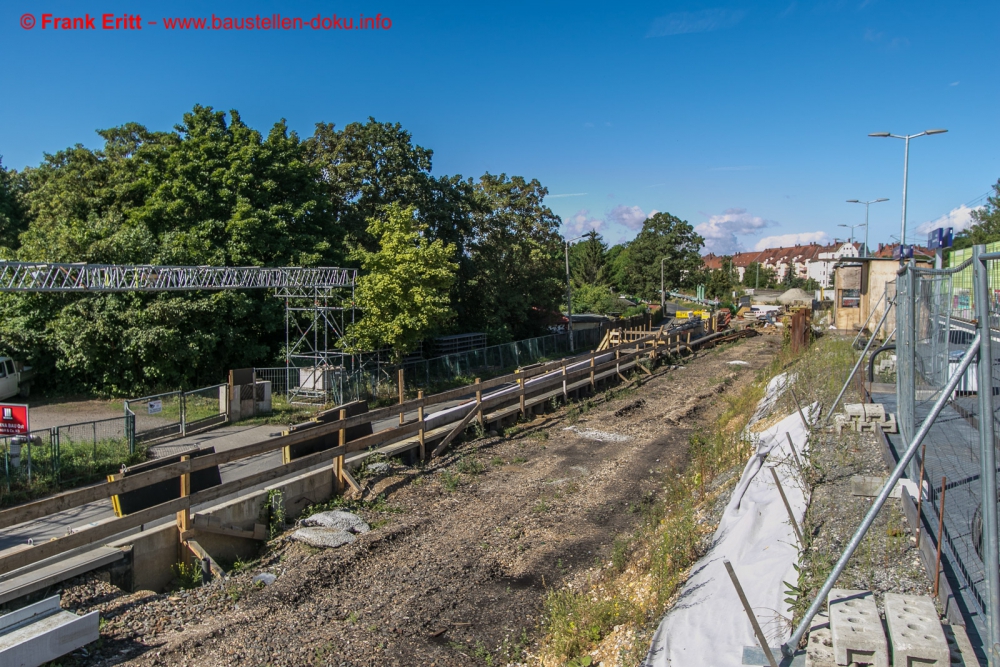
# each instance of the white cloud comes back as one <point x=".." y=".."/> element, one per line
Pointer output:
<point x="707" y="20"/>
<point x="720" y="231"/>
<point x="788" y="240"/>
<point x="954" y="83"/>
<point x="580" y="223"/>
<point x="628" y="216"/>
<point x="958" y="218"/>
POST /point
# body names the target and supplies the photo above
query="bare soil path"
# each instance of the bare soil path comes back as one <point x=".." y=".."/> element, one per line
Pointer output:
<point x="462" y="551"/>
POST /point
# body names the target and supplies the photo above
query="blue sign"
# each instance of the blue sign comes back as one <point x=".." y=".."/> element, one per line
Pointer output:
<point x="902" y="252"/>
<point x="942" y="237"/>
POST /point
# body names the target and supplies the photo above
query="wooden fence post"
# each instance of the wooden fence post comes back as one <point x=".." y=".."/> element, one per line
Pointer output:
<point x="593" y="385"/>
<point x="401" y="398"/>
<point x="479" y="402"/>
<point x="420" y="418"/>
<point x="520" y="382"/>
<point x="565" y="393"/>
<point x="184" y="516"/>
<point x="338" y="461"/>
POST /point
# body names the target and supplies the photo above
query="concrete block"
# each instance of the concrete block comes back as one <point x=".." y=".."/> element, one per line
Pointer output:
<point x="819" y="646"/>
<point x="915" y="631"/>
<point x="962" y="653"/>
<point x="856" y="628"/>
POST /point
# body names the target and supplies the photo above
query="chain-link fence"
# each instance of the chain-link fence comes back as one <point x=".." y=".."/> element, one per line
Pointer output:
<point x="937" y="322"/>
<point x="178" y="413"/>
<point x="205" y="407"/>
<point x="375" y="379"/>
<point x="63" y="457"/>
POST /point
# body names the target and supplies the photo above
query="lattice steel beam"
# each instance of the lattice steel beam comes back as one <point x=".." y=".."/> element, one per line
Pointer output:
<point x="41" y="277"/>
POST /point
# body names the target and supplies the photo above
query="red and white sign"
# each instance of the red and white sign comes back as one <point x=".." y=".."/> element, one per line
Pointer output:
<point x="13" y="420"/>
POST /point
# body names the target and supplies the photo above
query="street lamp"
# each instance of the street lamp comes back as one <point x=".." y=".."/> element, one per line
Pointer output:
<point x="906" y="162"/>
<point x="853" y="227"/>
<point x="867" y="204"/>
<point x="569" y="295"/>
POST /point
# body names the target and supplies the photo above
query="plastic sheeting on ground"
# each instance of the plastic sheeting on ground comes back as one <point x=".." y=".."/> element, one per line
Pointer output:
<point x="707" y="626"/>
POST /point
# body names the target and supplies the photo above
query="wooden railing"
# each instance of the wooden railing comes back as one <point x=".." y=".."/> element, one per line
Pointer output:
<point x="510" y="394"/>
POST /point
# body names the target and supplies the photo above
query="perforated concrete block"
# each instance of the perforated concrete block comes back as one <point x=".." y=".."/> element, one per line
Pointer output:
<point x="915" y="631"/>
<point x="819" y="646"/>
<point x="962" y="653"/>
<point x="856" y="628"/>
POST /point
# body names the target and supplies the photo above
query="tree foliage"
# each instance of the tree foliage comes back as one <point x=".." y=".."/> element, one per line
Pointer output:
<point x="13" y="210"/>
<point x="404" y="290"/>
<point x="986" y="223"/>
<point x="663" y="236"/>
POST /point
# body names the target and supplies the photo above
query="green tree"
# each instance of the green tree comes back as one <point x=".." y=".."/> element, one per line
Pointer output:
<point x="403" y="293"/>
<point x="760" y="276"/>
<point x="719" y="284"/>
<point x="516" y="278"/>
<point x="616" y="265"/>
<point x="13" y="210"/>
<point x="986" y="223"/>
<point x="662" y="235"/>
<point x="587" y="260"/>
<point x="594" y="299"/>
<point x="213" y="191"/>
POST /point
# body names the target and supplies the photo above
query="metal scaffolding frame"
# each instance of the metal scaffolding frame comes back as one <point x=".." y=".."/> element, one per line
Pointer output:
<point x="317" y="301"/>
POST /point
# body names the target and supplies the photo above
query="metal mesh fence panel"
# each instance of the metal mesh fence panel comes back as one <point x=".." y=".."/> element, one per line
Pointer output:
<point x="205" y="407"/>
<point x="157" y="416"/>
<point x="90" y="450"/>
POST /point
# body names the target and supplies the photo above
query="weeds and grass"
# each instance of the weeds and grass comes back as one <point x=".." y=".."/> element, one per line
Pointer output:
<point x="470" y="465"/>
<point x="273" y="513"/>
<point x="378" y="504"/>
<point x="670" y="537"/>
<point x="186" y="575"/>
<point x="496" y="461"/>
<point x="541" y="434"/>
<point x="519" y="459"/>
<point x="541" y="507"/>
<point x="450" y="481"/>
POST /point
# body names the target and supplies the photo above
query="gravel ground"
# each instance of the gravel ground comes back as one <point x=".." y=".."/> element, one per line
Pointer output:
<point x="460" y="555"/>
<point x="887" y="560"/>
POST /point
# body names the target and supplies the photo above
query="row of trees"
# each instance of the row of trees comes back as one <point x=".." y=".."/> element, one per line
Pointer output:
<point x="438" y="254"/>
<point x="600" y="274"/>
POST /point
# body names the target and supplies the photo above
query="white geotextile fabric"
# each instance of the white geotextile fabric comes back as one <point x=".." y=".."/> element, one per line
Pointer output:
<point x="707" y="626"/>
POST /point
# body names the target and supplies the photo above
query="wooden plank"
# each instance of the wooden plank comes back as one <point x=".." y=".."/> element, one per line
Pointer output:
<point x="461" y="427"/>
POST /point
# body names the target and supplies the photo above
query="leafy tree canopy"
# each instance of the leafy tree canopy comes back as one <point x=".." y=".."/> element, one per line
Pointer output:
<point x="404" y="291"/>
<point x="986" y="223"/>
<point x="662" y="236"/>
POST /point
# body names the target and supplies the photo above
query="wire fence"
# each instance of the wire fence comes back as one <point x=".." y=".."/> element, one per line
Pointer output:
<point x="63" y="457"/>
<point x="937" y="323"/>
<point x="376" y="379"/>
<point x="177" y="413"/>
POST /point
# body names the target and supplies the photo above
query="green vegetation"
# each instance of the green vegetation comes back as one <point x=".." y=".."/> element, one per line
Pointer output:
<point x="186" y="575"/>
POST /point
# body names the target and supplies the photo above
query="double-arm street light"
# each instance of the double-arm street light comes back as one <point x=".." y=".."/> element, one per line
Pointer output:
<point x="569" y="295"/>
<point x="852" y="227"/>
<point x="906" y="162"/>
<point x="867" y="204"/>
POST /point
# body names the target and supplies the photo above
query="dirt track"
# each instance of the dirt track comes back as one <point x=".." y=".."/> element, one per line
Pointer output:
<point x="457" y="572"/>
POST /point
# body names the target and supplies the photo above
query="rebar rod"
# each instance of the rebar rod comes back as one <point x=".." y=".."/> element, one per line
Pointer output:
<point x="788" y="648"/>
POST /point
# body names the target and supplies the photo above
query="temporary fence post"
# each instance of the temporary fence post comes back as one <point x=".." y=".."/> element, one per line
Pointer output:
<point x="987" y="453"/>
<point x="920" y="495"/>
<point x="182" y="403"/>
<point x="788" y="508"/>
<point x="420" y="418"/>
<point x="788" y="648"/>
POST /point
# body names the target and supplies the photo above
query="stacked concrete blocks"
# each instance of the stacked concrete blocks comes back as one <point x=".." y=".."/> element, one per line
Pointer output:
<point x="862" y="417"/>
<point x="856" y="628"/>
<point x="915" y="631"/>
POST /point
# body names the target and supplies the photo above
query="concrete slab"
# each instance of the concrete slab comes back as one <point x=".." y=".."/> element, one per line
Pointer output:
<point x="915" y="631"/>
<point x="962" y="653"/>
<point x="819" y="646"/>
<point x="43" y="632"/>
<point x="23" y="583"/>
<point x="856" y="628"/>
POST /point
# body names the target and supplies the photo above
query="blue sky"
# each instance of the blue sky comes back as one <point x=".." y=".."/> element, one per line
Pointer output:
<point x="748" y="120"/>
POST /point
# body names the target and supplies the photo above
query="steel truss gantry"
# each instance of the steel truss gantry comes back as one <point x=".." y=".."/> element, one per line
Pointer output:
<point x="45" y="277"/>
<point x="317" y="301"/>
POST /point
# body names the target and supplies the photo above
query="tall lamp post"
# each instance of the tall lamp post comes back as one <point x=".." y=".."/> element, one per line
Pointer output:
<point x="569" y="295"/>
<point x="853" y="227"/>
<point x="867" y="204"/>
<point x="906" y="163"/>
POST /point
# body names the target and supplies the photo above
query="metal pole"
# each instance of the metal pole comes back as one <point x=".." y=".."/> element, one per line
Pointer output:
<point x="788" y="508"/>
<point x="749" y="610"/>
<point x="569" y="302"/>
<point x="663" y="294"/>
<point x="854" y="370"/>
<point x="788" y="648"/>
<point x="865" y="249"/>
<point x="870" y="316"/>
<point x="902" y="229"/>
<point x="987" y="455"/>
